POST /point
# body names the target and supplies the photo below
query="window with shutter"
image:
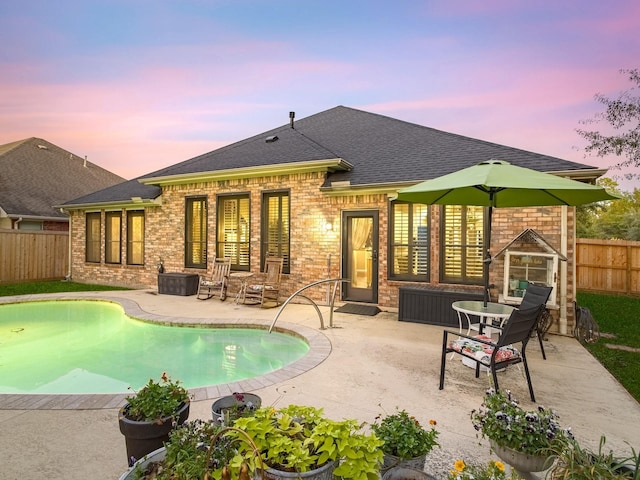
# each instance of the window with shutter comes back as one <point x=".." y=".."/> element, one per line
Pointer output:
<point x="461" y="244"/>
<point x="234" y="230"/>
<point x="196" y="233"/>
<point x="93" y="231"/>
<point x="135" y="237"/>
<point x="409" y="245"/>
<point x="275" y="227"/>
<point x="112" y="237"/>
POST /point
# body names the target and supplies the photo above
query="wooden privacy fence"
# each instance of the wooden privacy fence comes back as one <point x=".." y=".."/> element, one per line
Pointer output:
<point x="28" y="256"/>
<point x="608" y="266"/>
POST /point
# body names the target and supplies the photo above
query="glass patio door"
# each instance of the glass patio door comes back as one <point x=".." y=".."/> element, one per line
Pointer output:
<point x="360" y="255"/>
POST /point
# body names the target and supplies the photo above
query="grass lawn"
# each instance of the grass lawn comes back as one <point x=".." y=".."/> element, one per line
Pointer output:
<point x="618" y="319"/>
<point x="55" y="286"/>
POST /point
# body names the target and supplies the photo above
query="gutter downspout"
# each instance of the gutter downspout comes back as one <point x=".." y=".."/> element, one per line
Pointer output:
<point x="562" y="321"/>
<point x="69" y="261"/>
<point x="16" y="225"/>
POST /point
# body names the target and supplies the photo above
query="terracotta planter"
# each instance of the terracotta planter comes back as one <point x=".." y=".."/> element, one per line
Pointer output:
<point x="220" y="405"/>
<point x="325" y="472"/>
<point x="522" y="462"/>
<point x="142" y="438"/>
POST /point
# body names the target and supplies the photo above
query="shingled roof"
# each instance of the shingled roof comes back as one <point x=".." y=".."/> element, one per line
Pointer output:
<point x="380" y="150"/>
<point x="36" y="175"/>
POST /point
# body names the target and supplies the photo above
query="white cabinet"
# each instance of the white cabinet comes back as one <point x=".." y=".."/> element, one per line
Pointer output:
<point x="523" y="267"/>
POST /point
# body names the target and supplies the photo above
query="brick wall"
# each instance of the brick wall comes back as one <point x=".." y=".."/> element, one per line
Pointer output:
<point x="55" y="226"/>
<point x="311" y="244"/>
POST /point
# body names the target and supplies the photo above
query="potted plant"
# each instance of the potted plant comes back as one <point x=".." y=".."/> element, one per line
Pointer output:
<point x="196" y="449"/>
<point x="406" y="441"/>
<point x="150" y="414"/>
<point x="227" y="409"/>
<point x="493" y="470"/>
<point x="300" y="442"/>
<point x="520" y="438"/>
<point x="574" y="461"/>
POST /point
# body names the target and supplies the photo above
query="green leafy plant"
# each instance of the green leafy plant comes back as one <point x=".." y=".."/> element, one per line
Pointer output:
<point x="300" y="439"/>
<point x="156" y="400"/>
<point x="501" y="419"/>
<point x="493" y="470"/>
<point x="197" y="449"/>
<point x="403" y="436"/>
<point x="574" y="461"/>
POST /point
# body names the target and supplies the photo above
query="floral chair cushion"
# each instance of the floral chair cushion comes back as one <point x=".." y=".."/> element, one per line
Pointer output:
<point x="209" y="283"/>
<point x="481" y="351"/>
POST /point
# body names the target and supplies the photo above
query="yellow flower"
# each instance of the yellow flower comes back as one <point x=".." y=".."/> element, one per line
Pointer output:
<point x="459" y="465"/>
<point x="432" y="422"/>
<point x="500" y="466"/>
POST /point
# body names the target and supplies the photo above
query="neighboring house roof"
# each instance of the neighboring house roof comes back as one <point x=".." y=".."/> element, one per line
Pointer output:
<point x="365" y="149"/>
<point x="36" y="175"/>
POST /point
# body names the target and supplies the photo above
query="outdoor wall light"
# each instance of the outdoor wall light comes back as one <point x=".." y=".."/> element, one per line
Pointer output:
<point x="328" y="226"/>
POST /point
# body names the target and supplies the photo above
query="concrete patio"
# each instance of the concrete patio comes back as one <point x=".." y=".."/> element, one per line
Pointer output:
<point x="375" y="364"/>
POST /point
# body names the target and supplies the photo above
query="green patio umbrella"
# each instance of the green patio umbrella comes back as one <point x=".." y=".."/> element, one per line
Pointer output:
<point x="496" y="183"/>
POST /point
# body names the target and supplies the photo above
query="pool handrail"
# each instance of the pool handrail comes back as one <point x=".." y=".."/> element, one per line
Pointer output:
<point x="297" y="293"/>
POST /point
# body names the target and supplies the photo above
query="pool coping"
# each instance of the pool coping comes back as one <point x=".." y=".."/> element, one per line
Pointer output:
<point x="319" y="350"/>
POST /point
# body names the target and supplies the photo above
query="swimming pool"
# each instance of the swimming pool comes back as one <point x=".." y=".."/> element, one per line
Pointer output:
<point x="88" y="346"/>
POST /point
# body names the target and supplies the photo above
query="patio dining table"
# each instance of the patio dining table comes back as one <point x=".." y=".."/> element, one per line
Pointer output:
<point x="486" y="314"/>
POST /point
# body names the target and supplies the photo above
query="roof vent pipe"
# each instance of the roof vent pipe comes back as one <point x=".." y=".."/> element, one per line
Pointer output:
<point x="292" y="115"/>
<point x="85" y="161"/>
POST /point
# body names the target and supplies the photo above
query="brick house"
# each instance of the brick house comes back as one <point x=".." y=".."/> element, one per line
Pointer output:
<point x="318" y="192"/>
<point x="35" y="175"/>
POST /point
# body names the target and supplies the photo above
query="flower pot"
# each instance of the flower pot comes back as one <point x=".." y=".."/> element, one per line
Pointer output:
<point x="404" y="473"/>
<point x="155" y="456"/>
<point x="325" y="472"/>
<point x="391" y="461"/>
<point x="236" y="399"/>
<point x="142" y="438"/>
<point x="522" y="462"/>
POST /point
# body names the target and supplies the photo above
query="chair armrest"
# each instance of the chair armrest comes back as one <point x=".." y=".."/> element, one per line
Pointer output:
<point x="483" y="325"/>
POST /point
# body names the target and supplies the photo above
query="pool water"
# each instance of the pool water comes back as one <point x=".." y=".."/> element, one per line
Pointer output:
<point x="78" y="347"/>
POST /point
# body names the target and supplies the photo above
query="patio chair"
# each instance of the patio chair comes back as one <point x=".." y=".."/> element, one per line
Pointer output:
<point x="499" y="354"/>
<point x="218" y="282"/>
<point x="538" y="294"/>
<point x="269" y="290"/>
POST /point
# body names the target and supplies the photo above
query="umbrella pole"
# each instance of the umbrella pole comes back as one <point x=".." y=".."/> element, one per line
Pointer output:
<point x="486" y="263"/>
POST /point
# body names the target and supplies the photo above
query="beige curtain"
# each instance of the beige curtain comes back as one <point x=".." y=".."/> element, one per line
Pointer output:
<point x="360" y="232"/>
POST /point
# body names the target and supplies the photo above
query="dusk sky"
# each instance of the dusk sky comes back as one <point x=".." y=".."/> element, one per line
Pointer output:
<point x="136" y="85"/>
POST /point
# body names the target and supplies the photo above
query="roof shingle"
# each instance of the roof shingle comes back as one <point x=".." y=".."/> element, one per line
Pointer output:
<point x="37" y="175"/>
